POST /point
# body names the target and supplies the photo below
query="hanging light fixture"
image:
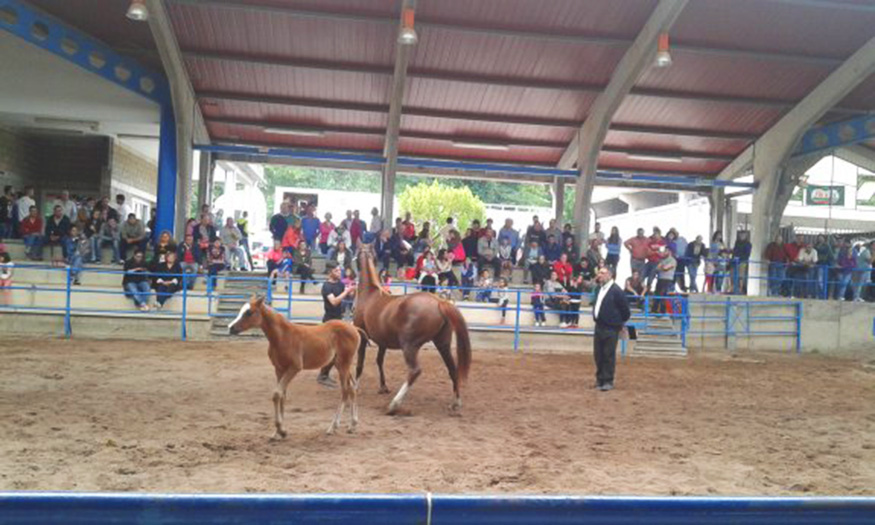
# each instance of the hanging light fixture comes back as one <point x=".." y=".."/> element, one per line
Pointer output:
<point x="407" y="35"/>
<point x="137" y="11"/>
<point x="663" y="56"/>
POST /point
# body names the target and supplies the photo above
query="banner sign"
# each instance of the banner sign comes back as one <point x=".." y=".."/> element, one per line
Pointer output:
<point x="825" y="195"/>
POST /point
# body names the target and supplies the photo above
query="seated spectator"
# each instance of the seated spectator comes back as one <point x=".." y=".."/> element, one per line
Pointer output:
<point x="273" y="257"/>
<point x="78" y="249"/>
<point x="505" y="256"/>
<point x="512" y="236"/>
<point x="444" y="264"/>
<point x="383" y="248"/>
<point x="586" y="272"/>
<point x="428" y="273"/>
<point x="215" y="262"/>
<point x="634" y="289"/>
<point x="540" y="270"/>
<point x="57" y="229"/>
<point x="557" y="298"/>
<point x="538" y="306"/>
<point x="470" y="243"/>
<point x="386" y="280"/>
<point x="82" y="220"/>
<point x="469" y="277"/>
<point x="136" y="280"/>
<point x="167" y="279"/>
<point x="455" y="248"/>
<point x="304" y="263"/>
<point x="339" y="234"/>
<point x="576" y="291"/>
<point x="552" y="250"/>
<point x="569" y="248"/>
<point x="563" y="270"/>
<point x="232" y="239"/>
<point x="341" y="256"/>
<point x="487" y="251"/>
<point x="133" y="233"/>
<point x="291" y="238"/>
<point x="163" y="246"/>
<point x="484" y="287"/>
<point x="185" y="256"/>
<point x="31" y="230"/>
<point x="6" y="269"/>
<point x="92" y="231"/>
<point x="502" y="298"/>
<point x="420" y="247"/>
<point x="7" y="212"/>
<point x="204" y="235"/>
<point x="408" y="230"/>
<point x="594" y="253"/>
<point x="530" y="257"/>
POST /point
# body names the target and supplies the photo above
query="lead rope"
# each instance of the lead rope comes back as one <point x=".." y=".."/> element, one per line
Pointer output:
<point x="428" y="504"/>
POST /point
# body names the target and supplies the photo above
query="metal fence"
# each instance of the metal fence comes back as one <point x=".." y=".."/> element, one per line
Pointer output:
<point x="426" y="509"/>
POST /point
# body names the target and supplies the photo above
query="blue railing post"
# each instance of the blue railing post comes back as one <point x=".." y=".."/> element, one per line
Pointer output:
<point x="726" y="323"/>
<point x="268" y="297"/>
<point x="209" y="296"/>
<point x="291" y="284"/>
<point x="646" y="309"/>
<point x="184" y="304"/>
<point x="736" y="290"/>
<point x="516" y="328"/>
<point x="68" y="327"/>
<point x="799" y="328"/>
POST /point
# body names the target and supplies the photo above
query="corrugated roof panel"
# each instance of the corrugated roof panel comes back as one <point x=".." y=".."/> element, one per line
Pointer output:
<point x="291" y="114"/>
<point x="624" y="139"/>
<point x="620" y="18"/>
<point x="695" y="114"/>
<point x="500" y="100"/>
<point x="775" y="26"/>
<point x="725" y="75"/>
<point x="215" y="75"/>
<point x="621" y="162"/>
<point x="261" y="33"/>
<point x="500" y="131"/>
<point x="332" y="141"/>
<point x="445" y="149"/>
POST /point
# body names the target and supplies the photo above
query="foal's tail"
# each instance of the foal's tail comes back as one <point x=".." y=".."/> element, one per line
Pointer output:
<point x="364" y="342"/>
<point x="463" y="342"/>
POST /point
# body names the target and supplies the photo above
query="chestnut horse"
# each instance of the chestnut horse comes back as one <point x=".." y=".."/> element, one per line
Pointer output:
<point x="407" y="322"/>
<point x="295" y="347"/>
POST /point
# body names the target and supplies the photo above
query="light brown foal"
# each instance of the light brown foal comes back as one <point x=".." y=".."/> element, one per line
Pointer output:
<point x="295" y="347"/>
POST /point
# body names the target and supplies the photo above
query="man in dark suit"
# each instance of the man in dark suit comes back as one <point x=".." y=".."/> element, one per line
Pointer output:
<point x="610" y="312"/>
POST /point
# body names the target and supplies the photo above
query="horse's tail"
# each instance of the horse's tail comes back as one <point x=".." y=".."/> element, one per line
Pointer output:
<point x="463" y="341"/>
<point x="364" y="341"/>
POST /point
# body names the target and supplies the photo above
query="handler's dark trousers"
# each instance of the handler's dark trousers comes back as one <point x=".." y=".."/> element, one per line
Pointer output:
<point x="604" y="352"/>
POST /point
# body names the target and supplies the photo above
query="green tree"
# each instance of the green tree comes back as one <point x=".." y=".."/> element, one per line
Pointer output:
<point x="436" y="201"/>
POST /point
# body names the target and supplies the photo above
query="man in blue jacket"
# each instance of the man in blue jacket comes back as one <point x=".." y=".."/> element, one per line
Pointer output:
<point x="610" y="312"/>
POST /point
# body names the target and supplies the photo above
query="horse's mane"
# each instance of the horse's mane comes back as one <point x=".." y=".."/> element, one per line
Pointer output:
<point x="370" y="271"/>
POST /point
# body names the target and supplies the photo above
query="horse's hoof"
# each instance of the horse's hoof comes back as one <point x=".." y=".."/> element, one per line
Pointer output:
<point x="351" y="430"/>
<point x="279" y="436"/>
<point x="398" y="411"/>
<point x="384" y="390"/>
<point x="330" y="431"/>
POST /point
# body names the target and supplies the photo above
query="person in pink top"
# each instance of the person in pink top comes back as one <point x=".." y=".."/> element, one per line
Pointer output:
<point x="325" y="229"/>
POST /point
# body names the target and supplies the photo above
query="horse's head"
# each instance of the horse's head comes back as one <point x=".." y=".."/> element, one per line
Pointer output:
<point x="250" y="315"/>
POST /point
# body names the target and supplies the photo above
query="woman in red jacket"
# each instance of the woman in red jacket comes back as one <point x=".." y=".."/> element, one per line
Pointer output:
<point x="563" y="269"/>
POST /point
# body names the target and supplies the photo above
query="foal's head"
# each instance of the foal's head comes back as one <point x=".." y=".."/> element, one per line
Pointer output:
<point x="249" y="316"/>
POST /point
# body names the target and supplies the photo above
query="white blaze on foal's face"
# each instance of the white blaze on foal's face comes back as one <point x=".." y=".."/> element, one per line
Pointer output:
<point x="244" y="310"/>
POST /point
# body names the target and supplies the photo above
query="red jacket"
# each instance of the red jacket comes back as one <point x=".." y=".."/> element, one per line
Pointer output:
<point x="31" y="225"/>
<point x="563" y="271"/>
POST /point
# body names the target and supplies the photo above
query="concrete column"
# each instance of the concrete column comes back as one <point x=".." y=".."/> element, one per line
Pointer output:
<point x="205" y="180"/>
<point x="731" y="232"/>
<point x="184" y="161"/>
<point x="387" y="191"/>
<point x="717" y="199"/>
<point x="559" y="199"/>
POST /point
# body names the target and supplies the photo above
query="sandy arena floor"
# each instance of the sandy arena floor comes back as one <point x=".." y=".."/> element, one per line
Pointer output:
<point x="196" y="417"/>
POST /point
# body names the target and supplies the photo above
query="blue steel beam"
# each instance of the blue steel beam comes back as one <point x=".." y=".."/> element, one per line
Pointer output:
<point x="836" y="135"/>
<point x="411" y="162"/>
<point x="73" y="46"/>
<point x="148" y="509"/>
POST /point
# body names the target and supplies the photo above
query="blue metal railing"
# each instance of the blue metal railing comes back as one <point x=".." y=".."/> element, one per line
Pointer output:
<point x="675" y="308"/>
<point x="432" y="509"/>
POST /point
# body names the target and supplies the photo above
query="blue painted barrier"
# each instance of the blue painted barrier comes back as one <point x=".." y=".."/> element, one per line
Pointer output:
<point x="152" y="509"/>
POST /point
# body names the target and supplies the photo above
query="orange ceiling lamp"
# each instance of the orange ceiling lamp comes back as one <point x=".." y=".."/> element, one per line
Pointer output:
<point x="407" y="34"/>
<point x="663" y="55"/>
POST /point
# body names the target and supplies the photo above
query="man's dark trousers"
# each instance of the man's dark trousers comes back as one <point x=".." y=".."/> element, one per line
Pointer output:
<point x="605" y="353"/>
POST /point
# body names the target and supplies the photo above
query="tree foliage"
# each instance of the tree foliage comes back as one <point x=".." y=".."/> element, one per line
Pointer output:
<point x="495" y="192"/>
<point x="436" y="201"/>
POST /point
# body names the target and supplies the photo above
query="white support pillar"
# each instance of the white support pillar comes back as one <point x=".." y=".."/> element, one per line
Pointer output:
<point x="587" y="144"/>
<point x="205" y="180"/>
<point x="390" y="148"/>
<point x="559" y="199"/>
<point x="772" y="151"/>
<point x="717" y="199"/>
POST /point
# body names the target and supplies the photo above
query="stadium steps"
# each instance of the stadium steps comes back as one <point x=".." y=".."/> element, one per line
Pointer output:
<point x="660" y="338"/>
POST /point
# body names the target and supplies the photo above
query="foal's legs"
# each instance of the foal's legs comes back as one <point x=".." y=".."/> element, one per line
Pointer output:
<point x="413" y="371"/>
<point x="347" y="386"/>
<point x="279" y="400"/>
<point x="381" y="355"/>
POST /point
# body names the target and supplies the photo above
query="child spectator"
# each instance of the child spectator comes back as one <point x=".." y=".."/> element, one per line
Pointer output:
<point x="484" y="287"/>
<point x="575" y="289"/>
<point x="540" y="270"/>
<point x="445" y="268"/>
<point x="428" y="273"/>
<point x="538" y="306"/>
<point x="469" y="276"/>
<point x="283" y="269"/>
<point x="6" y="269"/>
<point x="503" y="298"/>
<point x="348" y="282"/>
<point x="557" y="298"/>
<point x="78" y="248"/>
<point x="215" y="261"/>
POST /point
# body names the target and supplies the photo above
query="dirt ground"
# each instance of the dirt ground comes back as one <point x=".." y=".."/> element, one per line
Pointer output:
<point x="196" y="417"/>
